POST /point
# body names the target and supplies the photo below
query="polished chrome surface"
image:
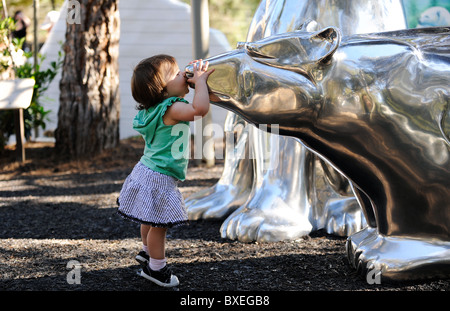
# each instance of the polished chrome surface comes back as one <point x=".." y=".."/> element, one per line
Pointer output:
<point x="398" y="258"/>
<point x="233" y="188"/>
<point x="387" y="131"/>
<point x="327" y="200"/>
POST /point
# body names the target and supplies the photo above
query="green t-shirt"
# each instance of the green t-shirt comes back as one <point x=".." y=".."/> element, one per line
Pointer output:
<point x="166" y="146"/>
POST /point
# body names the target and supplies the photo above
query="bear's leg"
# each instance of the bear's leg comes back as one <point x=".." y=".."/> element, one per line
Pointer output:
<point x="398" y="258"/>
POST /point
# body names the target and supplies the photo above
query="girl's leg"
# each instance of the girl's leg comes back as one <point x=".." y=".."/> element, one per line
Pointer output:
<point x="144" y="255"/>
<point x="156" y="270"/>
<point x="144" y="233"/>
<point x="156" y="240"/>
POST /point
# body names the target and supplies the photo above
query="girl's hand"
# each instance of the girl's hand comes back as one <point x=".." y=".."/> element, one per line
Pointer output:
<point x="200" y="71"/>
<point x="200" y="104"/>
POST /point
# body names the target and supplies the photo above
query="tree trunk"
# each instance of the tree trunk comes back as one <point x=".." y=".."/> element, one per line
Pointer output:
<point x="88" y="117"/>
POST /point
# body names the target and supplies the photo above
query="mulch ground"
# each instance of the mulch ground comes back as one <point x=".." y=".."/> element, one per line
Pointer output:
<point x="54" y="211"/>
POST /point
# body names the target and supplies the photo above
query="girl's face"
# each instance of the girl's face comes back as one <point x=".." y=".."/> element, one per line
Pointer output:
<point x="177" y="85"/>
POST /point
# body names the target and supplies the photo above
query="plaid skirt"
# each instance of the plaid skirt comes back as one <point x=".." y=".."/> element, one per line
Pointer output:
<point x="152" y="198"/>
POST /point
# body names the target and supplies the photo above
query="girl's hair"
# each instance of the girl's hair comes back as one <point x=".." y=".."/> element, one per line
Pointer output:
<point x="149" y="80"/>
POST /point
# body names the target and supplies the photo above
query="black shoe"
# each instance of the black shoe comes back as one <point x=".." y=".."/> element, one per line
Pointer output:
<point x="163" y="277"/>
<point x="142" y="258"/>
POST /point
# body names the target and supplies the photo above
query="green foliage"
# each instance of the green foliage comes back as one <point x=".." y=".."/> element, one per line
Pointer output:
<point x="232" y="17"/>
<point x="43" y="78"/>
<point x="6" y="63"/>
<point x="35" y="116"/>
<point x="6" y="60"/>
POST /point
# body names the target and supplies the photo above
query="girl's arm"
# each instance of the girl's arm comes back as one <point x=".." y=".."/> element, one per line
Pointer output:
<point x="200" y="105"/>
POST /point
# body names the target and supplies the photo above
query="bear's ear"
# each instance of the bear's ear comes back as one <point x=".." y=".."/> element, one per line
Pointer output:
<point x="332" y="37"/>
<point x="296" y="51"/>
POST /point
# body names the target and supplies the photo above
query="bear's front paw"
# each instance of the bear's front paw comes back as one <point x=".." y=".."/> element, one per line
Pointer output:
<point x="398" y="258"/>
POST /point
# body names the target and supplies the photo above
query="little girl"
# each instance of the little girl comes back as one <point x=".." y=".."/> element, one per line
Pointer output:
<point x="149" y="194"/>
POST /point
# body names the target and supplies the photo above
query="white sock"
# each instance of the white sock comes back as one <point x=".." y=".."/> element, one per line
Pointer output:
<point x="157" y="264"/>
<point x="145" y="248"/>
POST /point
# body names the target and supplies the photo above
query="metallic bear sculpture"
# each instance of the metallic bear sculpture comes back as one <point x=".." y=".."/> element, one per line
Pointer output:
<point x="375" y="106"/>
<point x="304" y="193"/>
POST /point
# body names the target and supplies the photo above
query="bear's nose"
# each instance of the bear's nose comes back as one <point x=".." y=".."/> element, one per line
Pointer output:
<point x="189" y="71"/>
